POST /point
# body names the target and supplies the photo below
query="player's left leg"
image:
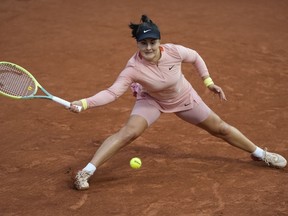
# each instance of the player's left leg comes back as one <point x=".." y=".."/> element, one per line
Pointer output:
<point x="213" y="124"/>
<point x="217" y="127"/>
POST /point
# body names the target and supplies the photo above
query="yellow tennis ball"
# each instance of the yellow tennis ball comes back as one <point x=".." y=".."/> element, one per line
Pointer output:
<point x="135" y="163"/>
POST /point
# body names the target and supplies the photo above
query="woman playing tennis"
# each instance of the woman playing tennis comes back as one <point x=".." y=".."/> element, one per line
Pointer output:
<point x="155" y="76"/>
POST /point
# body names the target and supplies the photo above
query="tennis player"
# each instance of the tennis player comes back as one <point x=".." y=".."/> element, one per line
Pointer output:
<point x="154" y="74"/>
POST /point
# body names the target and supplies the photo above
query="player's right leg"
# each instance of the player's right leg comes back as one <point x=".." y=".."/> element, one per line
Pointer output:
<point x="142" y="116"/>
<point x="135" y="126"/>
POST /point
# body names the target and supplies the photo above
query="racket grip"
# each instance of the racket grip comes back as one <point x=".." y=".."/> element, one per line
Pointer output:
<point x="64" y="102"/>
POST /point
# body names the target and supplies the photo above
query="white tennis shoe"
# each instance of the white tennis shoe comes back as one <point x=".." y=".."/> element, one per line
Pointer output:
<point x="81" y="180"/>
<point x="272" y="159"/>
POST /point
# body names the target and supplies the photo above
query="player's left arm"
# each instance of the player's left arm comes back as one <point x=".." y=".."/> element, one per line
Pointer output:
<point x="190" y="55"/>
<point x="209" y="83"/>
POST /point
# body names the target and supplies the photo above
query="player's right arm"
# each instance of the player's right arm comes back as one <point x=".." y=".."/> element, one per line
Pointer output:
<point x="118" y="88"/>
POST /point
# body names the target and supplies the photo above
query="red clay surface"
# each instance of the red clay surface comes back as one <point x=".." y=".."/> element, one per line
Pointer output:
<point x="76" y="48"/>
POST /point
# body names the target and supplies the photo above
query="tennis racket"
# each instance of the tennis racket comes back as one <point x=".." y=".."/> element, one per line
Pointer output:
<point x="17" y="83"/>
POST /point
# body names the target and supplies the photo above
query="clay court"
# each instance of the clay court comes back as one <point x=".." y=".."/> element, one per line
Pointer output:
<point x="77" y="48"/>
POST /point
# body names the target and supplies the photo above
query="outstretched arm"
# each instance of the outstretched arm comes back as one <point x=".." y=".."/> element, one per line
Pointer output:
<point x="104" y="97"/>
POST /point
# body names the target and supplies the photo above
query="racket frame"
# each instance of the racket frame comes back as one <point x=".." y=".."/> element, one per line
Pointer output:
<point x="37" y="85"/>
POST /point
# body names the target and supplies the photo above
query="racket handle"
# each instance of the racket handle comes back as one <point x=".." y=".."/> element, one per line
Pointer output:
<point x="64" y="102"/>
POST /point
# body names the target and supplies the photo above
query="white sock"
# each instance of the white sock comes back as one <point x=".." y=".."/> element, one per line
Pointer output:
<point x="90" y="168"/>
<point x="258" y="153"/>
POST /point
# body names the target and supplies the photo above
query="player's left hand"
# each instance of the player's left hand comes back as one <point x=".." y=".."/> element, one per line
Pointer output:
<point x="218" y="91"/>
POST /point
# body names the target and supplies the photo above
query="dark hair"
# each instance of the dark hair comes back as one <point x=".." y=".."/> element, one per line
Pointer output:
<point x="146" y="29"/>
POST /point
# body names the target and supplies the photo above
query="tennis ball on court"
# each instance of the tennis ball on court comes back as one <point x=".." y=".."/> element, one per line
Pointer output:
<point x="135" y="163"/>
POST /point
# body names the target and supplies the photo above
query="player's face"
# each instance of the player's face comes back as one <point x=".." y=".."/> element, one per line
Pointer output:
<point x="149" y="49"/>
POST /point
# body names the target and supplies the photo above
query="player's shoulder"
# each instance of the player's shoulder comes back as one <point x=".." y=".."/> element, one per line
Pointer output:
<point x="172" y="47"/>
<point x="135" y="63"/>
<point x="169" y="46"/>
<point x="133" y="60"/>
<point x="181" y="50"/>
<point x="173" y="50"/>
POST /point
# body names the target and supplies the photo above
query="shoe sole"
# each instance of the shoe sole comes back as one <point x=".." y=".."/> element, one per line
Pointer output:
<point x="81" y="189"/>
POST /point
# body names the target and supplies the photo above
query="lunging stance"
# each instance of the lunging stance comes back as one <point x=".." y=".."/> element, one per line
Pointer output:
<point x="154" y="74"/>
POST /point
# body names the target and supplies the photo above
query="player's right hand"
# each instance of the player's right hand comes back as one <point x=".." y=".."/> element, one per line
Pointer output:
<point x="75" y="107"/>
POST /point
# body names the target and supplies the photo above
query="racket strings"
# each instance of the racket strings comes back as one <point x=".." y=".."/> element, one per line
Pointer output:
<point x="15" y="82"/>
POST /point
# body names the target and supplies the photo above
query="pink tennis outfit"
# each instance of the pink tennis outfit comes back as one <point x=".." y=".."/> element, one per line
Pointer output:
<point x="159" y="88"/>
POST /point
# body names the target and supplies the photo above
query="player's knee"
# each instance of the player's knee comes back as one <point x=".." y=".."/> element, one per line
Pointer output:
<point x="129" y="134"/>
<point x="224" y="129"/>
